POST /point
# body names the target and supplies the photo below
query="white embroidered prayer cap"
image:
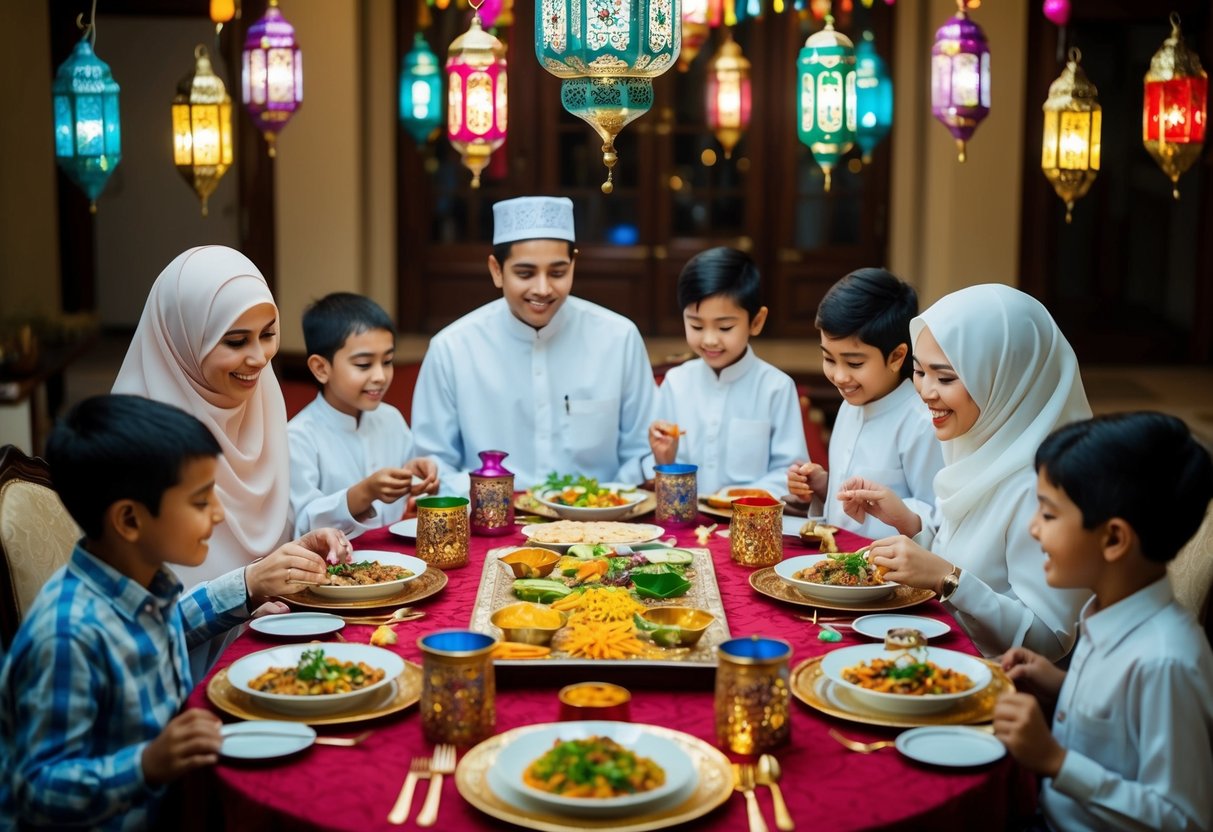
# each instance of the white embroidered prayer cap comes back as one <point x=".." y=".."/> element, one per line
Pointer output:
<point x="533" y="218"/>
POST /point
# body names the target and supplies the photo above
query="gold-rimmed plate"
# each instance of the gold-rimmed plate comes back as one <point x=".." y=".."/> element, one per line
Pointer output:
<point x="405" y="690"/>
<point x="430" y="582"/>
<point x="766" y="582"/>
<point x="811" y="686"/>
<point x="714" y="786"/>
<point x="527" y="502"/>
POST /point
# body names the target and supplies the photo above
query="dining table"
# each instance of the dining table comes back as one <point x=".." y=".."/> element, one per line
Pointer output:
<point x="826" y="786"/>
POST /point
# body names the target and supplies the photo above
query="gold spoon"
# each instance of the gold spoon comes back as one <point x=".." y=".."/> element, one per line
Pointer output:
<point x="768" y="775"/>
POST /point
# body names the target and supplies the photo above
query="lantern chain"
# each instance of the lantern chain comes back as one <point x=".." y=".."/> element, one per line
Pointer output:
<point x="90" y="29"/>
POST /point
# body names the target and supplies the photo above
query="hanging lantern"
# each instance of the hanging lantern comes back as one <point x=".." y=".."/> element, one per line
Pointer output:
<point x="1070" y="150"/>
<point x="873" y="97"/>
<point x="607" y="52"/>
<point x="960" y="77"/>
<point x="88" y="134"/>
<point x="728" y="95"/>
<point x="825" y="102"/>
<point x="476" y="109"/>
<point x="1176" y="106"/>
<point x="202" y="127"/>
<point x="271" y="74"/>
<point x="420" y="91"/>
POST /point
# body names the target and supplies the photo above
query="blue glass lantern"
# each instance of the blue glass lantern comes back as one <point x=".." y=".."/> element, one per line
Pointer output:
<point x="607" y="53"/>
<point x="88" y="136"/>
<point x="825" y="98"/>
<point x="420" y="91"/>
<point x="873" y="97"/>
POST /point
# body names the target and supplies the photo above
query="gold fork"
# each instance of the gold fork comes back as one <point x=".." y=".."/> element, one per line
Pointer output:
<point x="442" y="763"/>
<point x="861" y="747"/>
<point x="419" y="769"/>
<point x="743" y="781"/>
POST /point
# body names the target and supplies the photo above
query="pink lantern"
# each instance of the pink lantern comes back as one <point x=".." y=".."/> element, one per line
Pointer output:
<point x="476" y="97"/>
<point x="728" y="95"/>
<point x="272" y="74"/>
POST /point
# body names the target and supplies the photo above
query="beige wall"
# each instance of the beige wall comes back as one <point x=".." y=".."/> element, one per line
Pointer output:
<point x="953" y="224"/>
<point x="29" y="238"/>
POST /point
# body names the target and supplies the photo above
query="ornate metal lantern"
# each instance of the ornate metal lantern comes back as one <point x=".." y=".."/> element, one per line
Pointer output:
<point x="202" y="127"/>
<point x="476" y="106"/>
<point x="272" y="74"/>
<point x="873" y="97"/>
<point x="1070" y="149"/>
<point x="607" y="52"/>
<point x="1175" y="112"/>
<point x="728" y="95"/>
<point x="88" y="134"/>
<point x="960" y="77"/>
<point x="825" y="100"/>
<point x="696" y="27"/>
<point x="420" y="91"/>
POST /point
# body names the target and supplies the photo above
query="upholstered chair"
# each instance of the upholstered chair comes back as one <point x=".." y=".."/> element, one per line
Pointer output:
<point x="1192" y="574"/>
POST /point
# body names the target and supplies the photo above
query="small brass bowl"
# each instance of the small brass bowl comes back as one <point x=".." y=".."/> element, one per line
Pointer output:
<point x="530" y="562"/>
<point x="529" y="634"/>
<point x="594" y="700"/>
<point x="687" y="622"/>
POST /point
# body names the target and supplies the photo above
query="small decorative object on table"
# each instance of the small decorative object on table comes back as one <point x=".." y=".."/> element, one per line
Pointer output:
<point x="442" y="531"/>
<point x="676" y="494"/>
<point x="752" y="694"/>
<point x="492" y="496"/>
<point x="756" y="531"/>
<point x="458" y="690"/>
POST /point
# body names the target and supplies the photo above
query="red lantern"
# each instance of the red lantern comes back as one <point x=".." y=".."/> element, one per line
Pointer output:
<point x="1175" y="111"/>
<point x="476" y="97"/>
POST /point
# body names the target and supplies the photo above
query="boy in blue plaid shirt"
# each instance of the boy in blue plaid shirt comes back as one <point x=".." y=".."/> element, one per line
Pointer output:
<point x="91" y="689"/>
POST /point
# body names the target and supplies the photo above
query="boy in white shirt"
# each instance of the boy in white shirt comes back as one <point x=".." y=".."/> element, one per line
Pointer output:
<point x="883" y="432"/>
<point x="352" y="455"/>
<point x="559" y="383"/>
<point x="727" y="411"/>
<point x="1131" y="745"/>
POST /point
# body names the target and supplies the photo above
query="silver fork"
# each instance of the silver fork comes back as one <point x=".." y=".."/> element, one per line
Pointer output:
<point x="442" y="763"/>
<point x="419" y="769"/>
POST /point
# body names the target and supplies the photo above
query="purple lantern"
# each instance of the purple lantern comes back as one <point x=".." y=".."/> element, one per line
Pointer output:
<point x="272" y="73"/>
<point x="960" y="77"/>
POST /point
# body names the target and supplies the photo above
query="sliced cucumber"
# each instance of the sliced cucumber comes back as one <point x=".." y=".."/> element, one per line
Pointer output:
<point x="671" y="556"/>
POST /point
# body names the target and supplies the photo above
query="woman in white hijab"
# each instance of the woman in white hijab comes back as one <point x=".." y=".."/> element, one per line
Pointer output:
<point x="204" y="344"/>
<point x="998" y="376"/>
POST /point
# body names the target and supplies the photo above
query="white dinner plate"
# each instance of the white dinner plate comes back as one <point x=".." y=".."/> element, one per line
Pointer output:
<point x="792" y="525"/>
<point x="875" y="626"/>
<point x="950" y="745"/>
<point x="242" y="671"/>
<point x="265" y="739"/>
<point x="297" y="624"/>
<point x="836" y="661"/>
<point x="787" y="569"/>
<point x="644" y="533"/>
<point x="383" y="589"/>
<point x="405" y="528"/>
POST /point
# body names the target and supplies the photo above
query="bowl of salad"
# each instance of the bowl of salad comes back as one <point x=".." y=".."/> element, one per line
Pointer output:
<point x="575" y="497"/>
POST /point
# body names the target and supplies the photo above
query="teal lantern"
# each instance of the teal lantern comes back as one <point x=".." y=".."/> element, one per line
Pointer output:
<point x="873" y="97"/>
<point x="607" y="53"/>
<point x="825" y="96"/>
<point x="421" y="91"/>
<point x="88" y="136"/>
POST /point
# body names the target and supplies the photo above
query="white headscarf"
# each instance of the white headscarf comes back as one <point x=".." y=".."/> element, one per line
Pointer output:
<point x="193" y="302"/>
<point x="1021" y="372"/>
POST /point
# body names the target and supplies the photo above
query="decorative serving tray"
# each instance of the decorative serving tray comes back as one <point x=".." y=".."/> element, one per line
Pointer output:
<point x="496" y="591"/>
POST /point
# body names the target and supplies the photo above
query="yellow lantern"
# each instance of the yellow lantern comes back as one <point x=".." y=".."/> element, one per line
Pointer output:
<point x="202" y="127"/>
<point x="1071" y="147"/>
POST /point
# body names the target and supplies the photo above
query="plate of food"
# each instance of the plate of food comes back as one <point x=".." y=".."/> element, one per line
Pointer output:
<point x="572" y="497"/>
<point x="307" y="679"/>
<point x="720" y="504"/>
<point x="372" y="574"/>
<point x="922" y="680"/>
<point x="562" y="534"/>
<point x="594" y="769"/>
<point x="297" y="624"/>
<point x="843" y="577"/>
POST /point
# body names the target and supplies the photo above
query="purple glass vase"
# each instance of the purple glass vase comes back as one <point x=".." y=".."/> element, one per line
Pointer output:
<point x="492" y="496"/>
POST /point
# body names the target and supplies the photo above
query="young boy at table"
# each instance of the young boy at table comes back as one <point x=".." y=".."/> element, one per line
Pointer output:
<point x="91" y="690"/>
<point x="1132" y="740"/>
<point x="740" y="415"/>
<point x="883" y="432"/>
<point x="353" y="461"/>
<point x="557" y="382"/>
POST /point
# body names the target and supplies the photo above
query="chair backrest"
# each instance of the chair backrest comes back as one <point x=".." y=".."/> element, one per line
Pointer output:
<point x="36" y="535"/>
<point x="1192" y="573"/>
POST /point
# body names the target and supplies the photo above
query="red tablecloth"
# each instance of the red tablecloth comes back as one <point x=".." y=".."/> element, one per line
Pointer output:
<point x="825" y="785"/>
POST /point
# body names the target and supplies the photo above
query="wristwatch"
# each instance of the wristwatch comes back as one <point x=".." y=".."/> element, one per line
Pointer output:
<point x="951" y="582"/>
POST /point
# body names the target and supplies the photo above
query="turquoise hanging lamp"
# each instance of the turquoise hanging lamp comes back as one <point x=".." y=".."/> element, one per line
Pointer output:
<point x="873" y="97"/>
<point x="421" y="91"/>
<point x="825" y="99"/>
<point x="88" y="134"/>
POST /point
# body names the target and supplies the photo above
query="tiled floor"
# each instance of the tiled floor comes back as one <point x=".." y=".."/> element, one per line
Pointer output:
<point x="1186" y="392"/>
